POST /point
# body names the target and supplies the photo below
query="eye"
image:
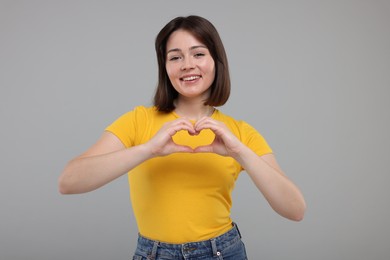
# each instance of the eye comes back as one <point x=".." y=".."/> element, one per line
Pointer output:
<point x="199" y="55"/>
<point x="173" y="58"/>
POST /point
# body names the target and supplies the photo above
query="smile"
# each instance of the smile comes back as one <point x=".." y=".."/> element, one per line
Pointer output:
<point x="190" y="78"/>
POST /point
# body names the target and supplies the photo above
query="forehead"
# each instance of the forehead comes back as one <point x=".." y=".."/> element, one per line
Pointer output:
<point x="182" y="39"/>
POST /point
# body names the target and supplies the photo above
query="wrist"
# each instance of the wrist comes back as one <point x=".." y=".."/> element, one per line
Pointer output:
<point x="243" y="154"/>
<point x="147" y="151"/>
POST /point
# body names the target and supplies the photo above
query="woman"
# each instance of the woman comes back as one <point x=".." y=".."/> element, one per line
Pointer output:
<point x="183" y="156"/>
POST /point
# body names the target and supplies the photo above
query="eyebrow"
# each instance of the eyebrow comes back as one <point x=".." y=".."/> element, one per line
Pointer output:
<point x="192" y="48"/>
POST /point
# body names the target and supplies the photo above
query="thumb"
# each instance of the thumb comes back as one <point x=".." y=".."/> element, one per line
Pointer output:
<point x="183" y="149"/>
<point x="204" y="149"/>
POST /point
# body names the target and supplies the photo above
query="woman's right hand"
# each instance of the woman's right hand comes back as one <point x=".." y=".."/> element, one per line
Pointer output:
<point x="108" y="158"/>
<point x="162" y="143"/>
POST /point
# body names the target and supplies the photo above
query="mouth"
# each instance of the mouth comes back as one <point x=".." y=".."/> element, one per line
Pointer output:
<point x="190" y="78"/>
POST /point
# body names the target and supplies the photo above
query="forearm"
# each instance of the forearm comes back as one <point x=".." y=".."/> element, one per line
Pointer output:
<point x="89" y="173"/>
<point x="282" y="195"/>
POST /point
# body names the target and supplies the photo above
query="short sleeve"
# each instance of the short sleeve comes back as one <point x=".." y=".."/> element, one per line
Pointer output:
<point x="254" y="140"/>
<point x="126" y="127"/>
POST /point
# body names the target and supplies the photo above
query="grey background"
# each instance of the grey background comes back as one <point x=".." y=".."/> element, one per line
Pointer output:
<point x="312" y="76"/>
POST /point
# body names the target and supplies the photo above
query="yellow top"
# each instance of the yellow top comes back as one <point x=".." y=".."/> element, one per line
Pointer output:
<point x="182" y="197"/>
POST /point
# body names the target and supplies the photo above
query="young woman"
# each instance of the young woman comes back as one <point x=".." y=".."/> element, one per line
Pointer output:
<point x="183" y="156"/>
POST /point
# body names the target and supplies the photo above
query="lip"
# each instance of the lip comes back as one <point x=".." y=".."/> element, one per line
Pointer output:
<point x="189" y="76"/>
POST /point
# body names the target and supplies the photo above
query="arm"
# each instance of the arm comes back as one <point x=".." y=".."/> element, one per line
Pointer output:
<point x="105" y="161"/>
<point x="109" y="159"/>
<point x="282" y="195"/>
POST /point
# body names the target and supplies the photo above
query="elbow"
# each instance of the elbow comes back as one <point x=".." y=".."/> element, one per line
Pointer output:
<point x="63" y="191"/>
<point x="63" y="188"/>
<point x="299" y="213"/>
<point x="70" y="183"/>
<point x="294" y="212"/>
<point x="297" y="217"/>
<point x="66" y="182"/>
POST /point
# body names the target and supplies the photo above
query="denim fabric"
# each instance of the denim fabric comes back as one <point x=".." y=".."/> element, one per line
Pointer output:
<point x="227" y="246"/>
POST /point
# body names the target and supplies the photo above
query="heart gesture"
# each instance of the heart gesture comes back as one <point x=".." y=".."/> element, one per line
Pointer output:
<point x="225" y="143"/>
<point x="162" y="143"/>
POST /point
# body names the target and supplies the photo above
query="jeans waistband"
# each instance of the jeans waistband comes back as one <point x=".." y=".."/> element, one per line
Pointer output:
<point x="213" y="245"/>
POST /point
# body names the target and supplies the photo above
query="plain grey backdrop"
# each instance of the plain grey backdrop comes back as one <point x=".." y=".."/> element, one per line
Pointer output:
<point x="312" y="76"/>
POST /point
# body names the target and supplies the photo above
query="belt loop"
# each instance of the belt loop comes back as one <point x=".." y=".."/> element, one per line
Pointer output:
<point x="154" y="250"/>
<point x="214" y="248"/>
<point x="235" y="225"/>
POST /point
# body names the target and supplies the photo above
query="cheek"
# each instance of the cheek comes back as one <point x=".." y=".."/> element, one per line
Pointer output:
<point x="170" y="71"/>
<point x="212" y="71"/>
<point x="167" y="69"/>
<point x="211" y="67"/>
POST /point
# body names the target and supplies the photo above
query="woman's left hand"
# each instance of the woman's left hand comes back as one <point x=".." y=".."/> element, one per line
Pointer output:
<point x="225" y="142"/>
<point x="283" y="196"/>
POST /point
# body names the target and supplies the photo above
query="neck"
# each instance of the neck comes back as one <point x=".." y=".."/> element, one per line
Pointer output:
<point x="192" y="110"/>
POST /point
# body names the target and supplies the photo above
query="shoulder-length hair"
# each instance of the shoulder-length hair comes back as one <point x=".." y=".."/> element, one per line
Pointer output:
<point x="205" y="32"/>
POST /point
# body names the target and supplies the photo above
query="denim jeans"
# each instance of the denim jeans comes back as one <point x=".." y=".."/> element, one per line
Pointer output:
<point x="227" y="246"/>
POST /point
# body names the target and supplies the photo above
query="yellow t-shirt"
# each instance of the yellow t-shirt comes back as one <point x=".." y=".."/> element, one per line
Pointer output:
<point x="182" y="197"/>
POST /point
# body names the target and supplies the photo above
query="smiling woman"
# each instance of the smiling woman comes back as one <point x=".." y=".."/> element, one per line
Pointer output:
<point x="183" y="155"/>
<point x="205" y="38"/>
<point x="190" y="68"/>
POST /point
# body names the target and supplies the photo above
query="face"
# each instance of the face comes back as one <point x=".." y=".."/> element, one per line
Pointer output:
<point x="189" y="65"/>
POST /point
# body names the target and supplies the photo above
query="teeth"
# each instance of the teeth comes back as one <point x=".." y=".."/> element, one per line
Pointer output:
<point x="191" y="78"/>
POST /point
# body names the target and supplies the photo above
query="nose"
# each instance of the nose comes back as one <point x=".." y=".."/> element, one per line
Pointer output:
<point x="187" y="64"/>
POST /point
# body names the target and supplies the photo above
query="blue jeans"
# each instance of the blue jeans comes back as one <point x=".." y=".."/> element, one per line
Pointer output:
<point x="227" y="246"/>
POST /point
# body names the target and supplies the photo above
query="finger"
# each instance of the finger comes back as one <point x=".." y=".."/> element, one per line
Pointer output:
<point x="178" y="126"/>
<point x="182" y="121"/>
<point x="216" y="127"/>
<point x="182" y="149"/>
<point x="174" y="129"/>
<point x="204" y="149"/>
<point x="187" y="125"/>
<point x="202" y="124"/>
<point x="203" y="120"/>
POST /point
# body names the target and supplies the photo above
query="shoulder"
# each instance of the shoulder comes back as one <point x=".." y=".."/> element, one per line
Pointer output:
<point x="131" y="126"/>
<point x="132" y="117"/>
<point x="231" y="122"/>
<point x="143" y="116"/>
<point x="246" y="133"/>
<point x="139" y="112"/>
<point x="144" y="110"/>
<point x="241" y="128"/>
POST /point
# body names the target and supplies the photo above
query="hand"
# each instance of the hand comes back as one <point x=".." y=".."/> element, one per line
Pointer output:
<point x="225" y="142"/>
<point x="162" y="144"/>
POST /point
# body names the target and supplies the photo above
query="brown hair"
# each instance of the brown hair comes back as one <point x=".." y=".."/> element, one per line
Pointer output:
<point x="205" y="32"/>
